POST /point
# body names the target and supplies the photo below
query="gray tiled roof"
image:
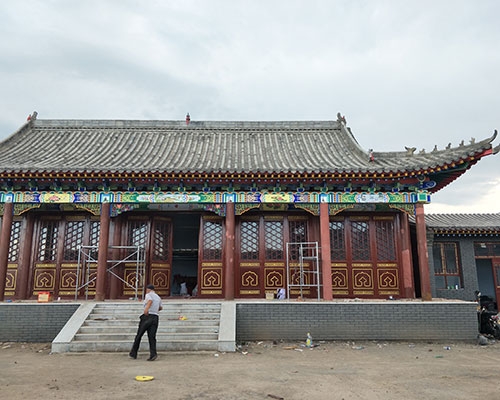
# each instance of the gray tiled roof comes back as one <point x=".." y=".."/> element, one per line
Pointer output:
<point x="457" y="222"/>
<point x="212" y="146"/>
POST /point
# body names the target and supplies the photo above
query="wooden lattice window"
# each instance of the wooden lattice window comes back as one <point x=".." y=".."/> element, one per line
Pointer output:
<point x="95" y="230"/>
<point x="337" y="240"/>
<point x="137" y="233"/>
<point x="273" y="231"/>
<point x="298" y="234"/>
<point x="249" y="242"/>
<point x="161" y="239"/>
<point x="360" y="231"/>
<point x="73" y="239"/>
<point x="47" y="241"/>
<point x="446" y="265"/>
<point x="212" y="240"/>
<point x="14" y="245"/>
<point x="386" y="246"/>
<point x="487" y="249"/>
<point x="298" y="231"/>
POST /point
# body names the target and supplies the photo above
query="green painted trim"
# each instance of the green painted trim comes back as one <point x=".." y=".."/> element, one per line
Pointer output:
<point x="63" y="197"/>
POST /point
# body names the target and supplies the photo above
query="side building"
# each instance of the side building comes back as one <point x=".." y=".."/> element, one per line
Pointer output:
<point x="220" y="209"/>
<point x="464" y="255"/>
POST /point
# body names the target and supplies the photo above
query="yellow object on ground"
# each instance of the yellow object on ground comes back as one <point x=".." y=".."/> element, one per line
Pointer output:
<point x="144" y="378"/>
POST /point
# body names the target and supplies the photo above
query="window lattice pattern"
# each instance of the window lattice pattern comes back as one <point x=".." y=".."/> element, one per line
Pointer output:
<point x="360" y="240"/>
<point x="161" y="240"/>
<point x="249" y="244"/>
<point x="487" y="249"/>
<point x="137" y="233"/>
<point x="298" y="231"/>
<point x="212" y="240"/>
<point x="337" y="240"/>
<point x="386" y="248"/>
<point x="47" y="242"/>
<point x="274" y="240"/>
<point x="73" y="238"/>
<point x="15" y="237"/>
<point x="95" y="230"/>
<point x="446" y="265"/>
<point x="298" y="234"/>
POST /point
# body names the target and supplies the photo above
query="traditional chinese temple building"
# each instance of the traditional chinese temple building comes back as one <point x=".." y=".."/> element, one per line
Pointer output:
<point x="218" y="209"/>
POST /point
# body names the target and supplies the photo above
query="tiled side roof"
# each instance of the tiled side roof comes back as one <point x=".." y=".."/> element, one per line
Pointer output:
<point x="463" y="223"/>
<point x="215" y="146"/>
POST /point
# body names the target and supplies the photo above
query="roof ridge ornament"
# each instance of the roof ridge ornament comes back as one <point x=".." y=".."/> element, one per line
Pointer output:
<point x="341" y="118"/>
<point x="32" y="116"/>
<point x="410" y="150"/>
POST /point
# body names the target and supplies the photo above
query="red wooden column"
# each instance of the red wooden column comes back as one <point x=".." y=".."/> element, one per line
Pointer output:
<point x="8" y="215"/>
<point x="102" y="258"/>
<point x="326" y="259"/>
<point x="23" y="267"/>
<point x="229" y="258"/>
<point x="116" y="287"/>
<point x="407" y="270"/>
<point x="423" y="255"/>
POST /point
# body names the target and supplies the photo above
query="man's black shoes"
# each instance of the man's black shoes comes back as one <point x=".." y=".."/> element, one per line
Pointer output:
<point x="152" y="358"/>
<point x="130" y="355"/>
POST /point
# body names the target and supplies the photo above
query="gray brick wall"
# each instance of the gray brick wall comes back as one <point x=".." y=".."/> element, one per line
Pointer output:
<point x="33" y="322"/>
<point x="357" y="321"/>
<point x="275" y="320"/>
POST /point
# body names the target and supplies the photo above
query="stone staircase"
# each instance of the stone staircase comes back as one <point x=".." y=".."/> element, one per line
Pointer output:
<point x="184" y="326"/>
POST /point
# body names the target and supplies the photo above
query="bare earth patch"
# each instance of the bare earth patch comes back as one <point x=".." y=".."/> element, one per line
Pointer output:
<point x="263" y="370"/>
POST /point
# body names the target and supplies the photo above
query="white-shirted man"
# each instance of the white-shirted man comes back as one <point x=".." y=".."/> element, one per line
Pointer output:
<point x="148" y="323"/>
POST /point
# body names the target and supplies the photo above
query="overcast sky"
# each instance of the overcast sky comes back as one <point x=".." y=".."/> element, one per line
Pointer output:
<point x="404" y="73"/>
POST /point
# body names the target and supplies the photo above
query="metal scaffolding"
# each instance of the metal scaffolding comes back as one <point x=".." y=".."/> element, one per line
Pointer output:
<point x="87" y="257"/>
<point x="302" y="267"/>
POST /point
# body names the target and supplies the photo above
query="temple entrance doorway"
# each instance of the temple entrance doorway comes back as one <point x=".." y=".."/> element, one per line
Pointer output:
<point x="186" y="231"/>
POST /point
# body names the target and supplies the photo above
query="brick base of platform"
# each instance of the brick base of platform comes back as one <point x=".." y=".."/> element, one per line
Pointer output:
<point x="286" y="320"/>
<point x="390" y="320"/>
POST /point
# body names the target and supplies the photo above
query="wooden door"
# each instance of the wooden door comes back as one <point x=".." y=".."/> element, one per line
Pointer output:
<point x="261" y="253"/>
<point x="147" y="255"/>
<point x="58" y="242"/>
<point x="210" y="257"/>
<point x="365" y="254"/>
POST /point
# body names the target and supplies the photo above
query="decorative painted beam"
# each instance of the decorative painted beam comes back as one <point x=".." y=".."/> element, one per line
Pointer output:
<point x="61" y="197"/>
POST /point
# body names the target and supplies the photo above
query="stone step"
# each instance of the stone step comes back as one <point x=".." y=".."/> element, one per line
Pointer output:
<point x="125" y="345"/>
<point x="166" y="306"/>
<point x="113" y="326"/>
<point x="132" y="329"/>
<point x="160" y="337"/>
<point x="163" y="322"/>
<point x="165" y="316"/>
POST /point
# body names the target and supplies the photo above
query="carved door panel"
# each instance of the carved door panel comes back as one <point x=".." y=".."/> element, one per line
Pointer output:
<point x="153" y="262"/>
<point x="365" y="256"/>
<point x="13" y="259"/>
<point x="160" y="266"/>
<point x="56" y="266"/>
<point x="210" y="265"/>
<point x="261" y="266"/>
<point x="249" y="267"/>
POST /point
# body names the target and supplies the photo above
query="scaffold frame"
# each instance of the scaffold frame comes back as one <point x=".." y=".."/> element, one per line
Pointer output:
<point x="86" y="257"/>
<point x="297" y="254"/>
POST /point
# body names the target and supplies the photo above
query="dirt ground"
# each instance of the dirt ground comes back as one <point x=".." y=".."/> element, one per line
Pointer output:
<point x="263" y="370"/>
